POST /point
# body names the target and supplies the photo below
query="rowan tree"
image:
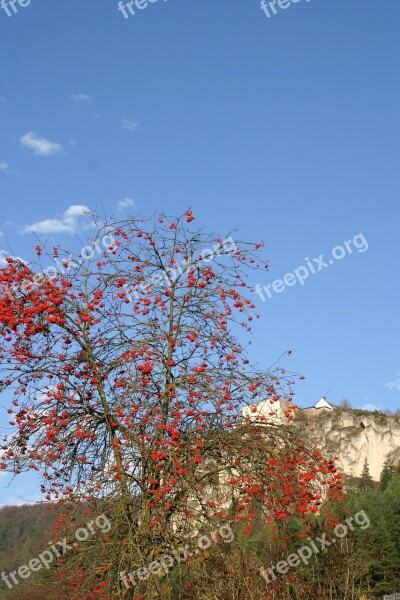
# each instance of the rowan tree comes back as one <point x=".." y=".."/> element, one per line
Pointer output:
<point x="128" y="370"/>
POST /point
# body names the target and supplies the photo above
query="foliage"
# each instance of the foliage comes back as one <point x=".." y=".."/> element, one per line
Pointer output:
<point x="365" y="564"/>
<point x="128" y="378"/>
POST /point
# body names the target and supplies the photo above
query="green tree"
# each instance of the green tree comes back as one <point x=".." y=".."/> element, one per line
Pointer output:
<point x="390" y="469"/>
<point x="366" y="482"/>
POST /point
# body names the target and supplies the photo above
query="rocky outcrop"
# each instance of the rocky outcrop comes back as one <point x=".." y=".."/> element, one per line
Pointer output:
<point x="354" y="436"/>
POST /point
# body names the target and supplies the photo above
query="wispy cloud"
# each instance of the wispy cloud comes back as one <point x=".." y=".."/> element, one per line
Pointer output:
<point x="393" y="385"/>
<point x="4" y="254"/>
<point x="3" y="99"/>
<point x="20" y="500"/>
<point x="39" y="145"/>
<point x="74" y="219"/>
<point x="129" y="125"/>
<point x="80" y="98"/>
<point x="5" y="168"/>
<point x="125" y="204"/>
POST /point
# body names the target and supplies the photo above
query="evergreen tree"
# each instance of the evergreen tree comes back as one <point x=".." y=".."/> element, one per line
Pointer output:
<point x="366" y="482"/>
<point x="387" y="474"/>
<point x="390" y="470"/>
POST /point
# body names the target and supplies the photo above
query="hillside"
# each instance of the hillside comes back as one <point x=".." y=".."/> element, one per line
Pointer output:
<point x="367" y="561"/>
<point x="24" y="532"/>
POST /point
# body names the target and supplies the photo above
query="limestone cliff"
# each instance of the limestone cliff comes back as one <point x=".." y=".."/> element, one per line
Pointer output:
<point x="353" y="436"/>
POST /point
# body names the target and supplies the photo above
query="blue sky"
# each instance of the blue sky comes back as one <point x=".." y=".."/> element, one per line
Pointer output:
<point x="286" y="128"/>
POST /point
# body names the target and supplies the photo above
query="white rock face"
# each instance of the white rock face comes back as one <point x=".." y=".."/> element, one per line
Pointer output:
<point x="265" y="410"/>
<point x="356" y="435"/>
<point x="352" y="436"/>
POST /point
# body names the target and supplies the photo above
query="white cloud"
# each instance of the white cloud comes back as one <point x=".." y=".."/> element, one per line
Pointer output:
<point x="393" y="385"/>
<point x="39" y="146"/>
<point x="5" y="168"/>
<point x="21" y="500"/>
<point x="4" y="255"/>
<point x="129" y="125"/>
<point x="72" y="220"/>
<point x="125" y="204"/>
<point x="80" y="98"/>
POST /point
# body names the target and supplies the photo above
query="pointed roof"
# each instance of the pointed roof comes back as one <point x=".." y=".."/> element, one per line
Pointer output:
<point x="322" y="403"/>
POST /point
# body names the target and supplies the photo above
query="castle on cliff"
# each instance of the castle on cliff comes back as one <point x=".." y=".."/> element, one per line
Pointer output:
<point x="276" y="410"/>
